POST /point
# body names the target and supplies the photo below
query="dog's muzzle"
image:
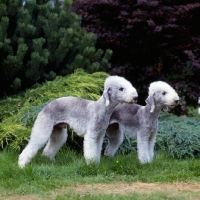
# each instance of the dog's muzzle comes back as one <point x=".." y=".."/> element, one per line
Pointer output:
<point x="175" y="103"/>
<point x="134" y="100"/>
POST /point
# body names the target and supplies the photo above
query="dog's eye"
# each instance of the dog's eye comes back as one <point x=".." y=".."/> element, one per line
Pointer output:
<point x="121" y="88"/>
<point x="164" y="93"/>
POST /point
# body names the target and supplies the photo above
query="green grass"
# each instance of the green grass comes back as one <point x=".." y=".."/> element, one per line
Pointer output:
<point x="42" y="177"/>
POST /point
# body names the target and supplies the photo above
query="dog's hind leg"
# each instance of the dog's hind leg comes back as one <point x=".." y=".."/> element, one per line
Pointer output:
<point x="115" y="136"/>
<point x="39" y="136"/>
<point x="57" y="139"/>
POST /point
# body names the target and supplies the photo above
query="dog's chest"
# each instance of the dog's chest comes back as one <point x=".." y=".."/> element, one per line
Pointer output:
<point x="149" y="123"/>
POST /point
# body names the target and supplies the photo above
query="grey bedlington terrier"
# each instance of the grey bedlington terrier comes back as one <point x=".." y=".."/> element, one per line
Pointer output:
<point x="140" y="122"/>
<point x="87" y="118"/>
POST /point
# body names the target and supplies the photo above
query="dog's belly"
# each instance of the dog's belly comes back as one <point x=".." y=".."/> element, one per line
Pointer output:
<point x="78" y="126"/>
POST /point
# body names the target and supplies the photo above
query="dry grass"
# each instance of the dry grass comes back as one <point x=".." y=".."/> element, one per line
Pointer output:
<point x="137" y="187"/>
<point x="121" y="188"/>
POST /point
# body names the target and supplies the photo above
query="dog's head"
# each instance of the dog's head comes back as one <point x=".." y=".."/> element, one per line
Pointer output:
<point x="118" y="89"/>
<point x="162" y="95"/>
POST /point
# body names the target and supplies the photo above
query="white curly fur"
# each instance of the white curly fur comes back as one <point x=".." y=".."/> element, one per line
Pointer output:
<point x="87" y="118"/>
<point x="140" y="122"/>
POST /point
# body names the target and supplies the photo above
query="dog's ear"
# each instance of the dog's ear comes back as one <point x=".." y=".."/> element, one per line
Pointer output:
<point x="150" y="101"/>
<point x="106" y="95"/>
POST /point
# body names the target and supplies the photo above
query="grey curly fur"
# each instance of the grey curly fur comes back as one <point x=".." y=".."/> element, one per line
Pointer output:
<point x="140" y="122"/>
<point x="87" y="118"/>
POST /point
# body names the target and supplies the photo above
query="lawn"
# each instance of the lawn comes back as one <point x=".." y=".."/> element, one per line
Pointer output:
<point x="120" y="177"/>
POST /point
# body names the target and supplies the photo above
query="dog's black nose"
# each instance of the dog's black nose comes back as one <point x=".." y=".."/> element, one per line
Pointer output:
<point x="135" y="98"/>
<point x="176" y="101"/>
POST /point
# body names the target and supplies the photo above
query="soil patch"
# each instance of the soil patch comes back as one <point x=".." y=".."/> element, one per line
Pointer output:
<point x="18" y="197"/>
<point x="138" y="187"/>
<point x="121" y="188"/>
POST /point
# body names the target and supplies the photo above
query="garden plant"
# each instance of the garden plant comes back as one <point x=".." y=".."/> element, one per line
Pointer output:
<point x="39" y="42"/>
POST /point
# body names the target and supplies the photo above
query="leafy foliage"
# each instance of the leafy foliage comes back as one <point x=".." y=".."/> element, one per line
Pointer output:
<point x="150" y="40"/>
<point x="178" y="136"/>
<point x="193" y="111"/>
<point x="39" y="41"/>
<point x="16" y="123"/>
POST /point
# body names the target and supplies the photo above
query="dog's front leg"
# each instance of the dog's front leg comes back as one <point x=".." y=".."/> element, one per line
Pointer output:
<point x="91" y="149"/>
<point x="152" y="140"/>
<point x="143" y="148"/>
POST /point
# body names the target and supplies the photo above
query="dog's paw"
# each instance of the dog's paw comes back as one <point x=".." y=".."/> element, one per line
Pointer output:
<point x="21" y="164"/>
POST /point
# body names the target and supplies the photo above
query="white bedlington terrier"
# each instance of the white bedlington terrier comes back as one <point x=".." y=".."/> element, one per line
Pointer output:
<point x="140" y="122"/>
<point x="87" y="118"/>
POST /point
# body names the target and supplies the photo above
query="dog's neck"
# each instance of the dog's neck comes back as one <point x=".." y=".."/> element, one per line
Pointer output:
<point x="108" y="109"/>
<point x="153" y="112"/>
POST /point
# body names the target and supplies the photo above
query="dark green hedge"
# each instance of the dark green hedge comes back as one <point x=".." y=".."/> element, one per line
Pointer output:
<point x="39" y="42"/>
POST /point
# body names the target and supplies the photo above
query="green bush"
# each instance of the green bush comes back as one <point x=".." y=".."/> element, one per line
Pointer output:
<point x="38" y="42"/>
<point x="193" y="111"/>
<point x="18" y="114"/>
<point x="179" y="136"/>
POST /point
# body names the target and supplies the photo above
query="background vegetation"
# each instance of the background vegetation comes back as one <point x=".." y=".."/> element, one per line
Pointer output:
<point x="19" y="113"/>
<point x="150" y="40"/>
<point x="179" y="136"/>
<point x="38" y="42"/>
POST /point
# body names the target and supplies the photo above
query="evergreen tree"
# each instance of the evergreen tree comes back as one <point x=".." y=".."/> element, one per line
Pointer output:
<point x="39" y="41"/>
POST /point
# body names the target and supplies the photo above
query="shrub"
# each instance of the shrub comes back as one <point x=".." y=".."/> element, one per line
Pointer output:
<point x="193" y="112"/>
<point x="16" y="124"/>
<point x="38" y="42"/>
<point x="150" y="40"/>
<point x="179" y="136"/>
